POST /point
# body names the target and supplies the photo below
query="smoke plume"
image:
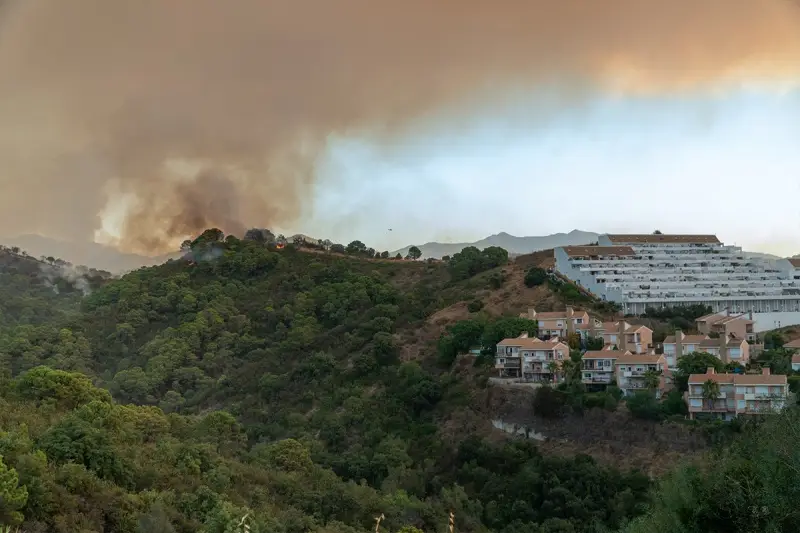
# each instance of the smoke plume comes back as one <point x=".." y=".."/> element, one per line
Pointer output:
<point x="169" y="116"/>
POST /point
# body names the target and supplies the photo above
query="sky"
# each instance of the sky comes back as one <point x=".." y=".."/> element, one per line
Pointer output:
<point x="141" y="124"/>
<point x="724" y="162"/>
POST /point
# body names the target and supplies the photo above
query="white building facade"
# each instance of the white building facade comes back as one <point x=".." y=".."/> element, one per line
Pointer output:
<point x="642" y="271"/>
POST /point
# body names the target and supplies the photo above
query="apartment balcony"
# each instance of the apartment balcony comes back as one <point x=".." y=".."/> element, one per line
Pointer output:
<point x="508" y="364"/>
<point x="695" y="396"/>
<point x="763" y="397"/>
<point x="634" y="373"/>
<point x="597" y="380"/>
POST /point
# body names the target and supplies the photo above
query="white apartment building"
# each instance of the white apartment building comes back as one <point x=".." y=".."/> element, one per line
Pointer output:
<point x="641" y="271"/>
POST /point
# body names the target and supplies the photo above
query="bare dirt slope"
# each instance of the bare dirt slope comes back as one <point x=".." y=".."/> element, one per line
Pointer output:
<point x="511" y="298"/>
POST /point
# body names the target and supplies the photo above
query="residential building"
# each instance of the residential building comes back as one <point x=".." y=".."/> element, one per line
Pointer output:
<point x="563" y="323"/>
<point x="529" y="358"/>
<point x="633" y="372"/>
<point x="678" y="345"/>
<point x="792" y="345"/>
<point x="598" y="366"/>
<point x="627" y="337"/>
<point x="725" y="325"/>
<point x="654" y="271"/>
<point x="738" y="394"/>
<point x="727" y="349"/>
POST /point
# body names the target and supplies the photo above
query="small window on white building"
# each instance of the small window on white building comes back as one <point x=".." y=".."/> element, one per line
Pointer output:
<point x="740" y="404"/>
<point x="695" y="402"/>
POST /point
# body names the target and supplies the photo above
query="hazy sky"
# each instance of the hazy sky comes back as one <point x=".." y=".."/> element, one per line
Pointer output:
<point x="726" y="162"/>
<point x="142" y="123"/>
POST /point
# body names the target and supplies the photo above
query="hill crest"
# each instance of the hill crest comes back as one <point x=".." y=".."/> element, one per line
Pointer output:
<point x="513" y="244"/>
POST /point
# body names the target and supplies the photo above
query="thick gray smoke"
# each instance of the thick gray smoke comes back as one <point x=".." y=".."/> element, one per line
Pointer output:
<point x="165" y="117"/>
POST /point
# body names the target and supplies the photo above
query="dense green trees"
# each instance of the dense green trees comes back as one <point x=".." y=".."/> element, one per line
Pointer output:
<point x="471" y="261"/>
<point x="695" y="363"/>
<point x="749" y="486"/>
<point x="483" y="333"/>
<point x="271" y="383"/>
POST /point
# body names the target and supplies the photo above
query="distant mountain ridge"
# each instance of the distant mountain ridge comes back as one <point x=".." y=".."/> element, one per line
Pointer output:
<point x="89" y="254"/>
<point x="514" y="245"/>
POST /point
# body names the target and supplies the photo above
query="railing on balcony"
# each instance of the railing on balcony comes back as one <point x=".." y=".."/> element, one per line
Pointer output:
<point x="597" y="379"/>
<point x="509" y="364"/>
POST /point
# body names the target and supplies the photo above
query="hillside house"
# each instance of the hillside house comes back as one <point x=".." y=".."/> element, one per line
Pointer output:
<point x="678" y="345"/>
<point x="793" y="345"/>
<point x="627" y="337"/>
<point x="796" y="363"/>
<point x="563" y="323"/>
<point x="529" y="358"/>
<point x="598" y="367"/>
<point x="737" y="394"/>
<point x="727" y="350"/>
<point x="633" y="372"/>
<point x="725" y="325"/>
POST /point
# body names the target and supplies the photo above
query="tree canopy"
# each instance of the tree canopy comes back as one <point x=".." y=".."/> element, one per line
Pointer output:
<point x="246" y="380"/>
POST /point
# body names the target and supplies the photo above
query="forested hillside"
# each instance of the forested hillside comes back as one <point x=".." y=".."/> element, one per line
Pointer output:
<point x="248" y="380"/>
<point x="39" y="291"/>
<point x="305" y="391"/>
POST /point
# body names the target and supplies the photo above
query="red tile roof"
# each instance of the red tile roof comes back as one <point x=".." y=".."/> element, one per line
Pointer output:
<point x="640" y="359"/>
<point x="739" y="379"/>
<point x="596" y="251"/>
<point x="604" y="354"/>
<point x="669" y="239"/>
<point x="531" y="343"/>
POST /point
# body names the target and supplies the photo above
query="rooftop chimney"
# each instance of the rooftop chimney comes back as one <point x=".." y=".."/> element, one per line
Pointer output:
<point x="765" y="371"/>
<point x="679" y="335"/>
<point x="710" y="370"/>
<point x="570" y="311"/>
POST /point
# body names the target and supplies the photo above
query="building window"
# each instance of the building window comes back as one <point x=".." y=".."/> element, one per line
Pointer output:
<point x="740" y="404"/>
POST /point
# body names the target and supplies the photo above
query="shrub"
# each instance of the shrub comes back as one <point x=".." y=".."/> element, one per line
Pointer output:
<point x="673" y="404"/>
<point x="601" y="400"/>
<point x="474" y="306"/>
<point x="548" y="402"/>
<point x="535" y="276"/>
<point x="644" y="405"/>
<point x="794" y="384"/>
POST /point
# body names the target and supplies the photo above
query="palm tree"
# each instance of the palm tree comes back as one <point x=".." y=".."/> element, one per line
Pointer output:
<point x="710" y="392"/>
<point x="552" y="367"/>
<point x="572" y="369"/>
<point x="652" y="379"/>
